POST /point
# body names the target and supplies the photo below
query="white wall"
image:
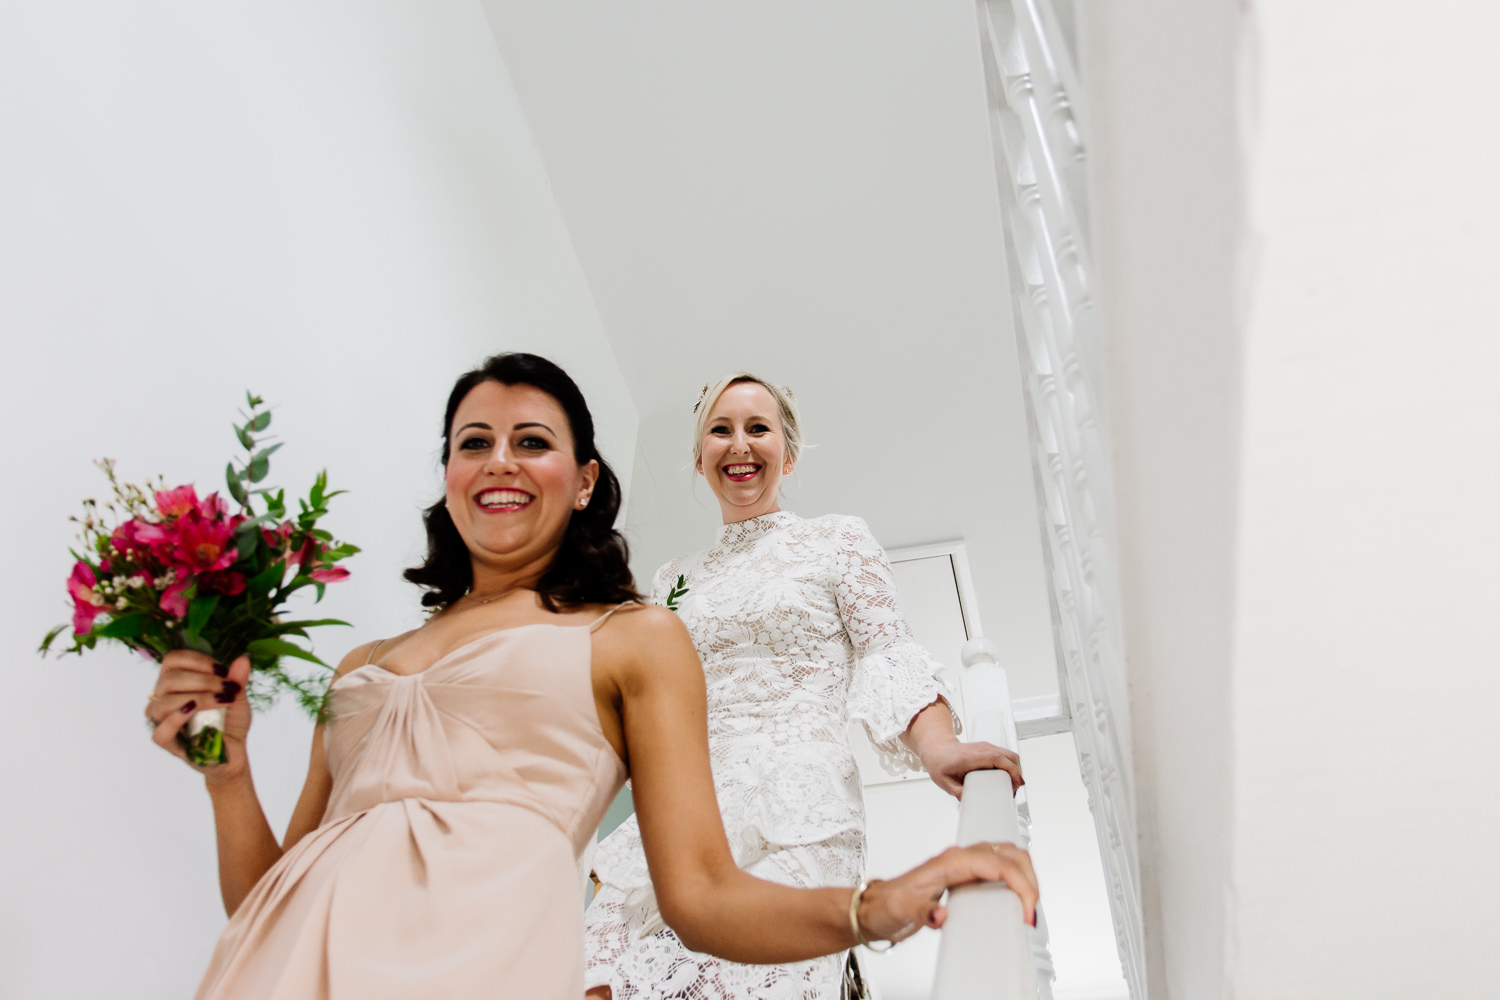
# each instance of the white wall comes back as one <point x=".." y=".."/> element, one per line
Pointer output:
<point x="1367" y="666"/>
<point x="337" y="205"/>
<point x="1298" y="217"/>
<point x="1167" y="198"/>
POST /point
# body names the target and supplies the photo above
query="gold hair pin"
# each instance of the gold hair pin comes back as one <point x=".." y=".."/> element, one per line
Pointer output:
<point x="704" y="392"/>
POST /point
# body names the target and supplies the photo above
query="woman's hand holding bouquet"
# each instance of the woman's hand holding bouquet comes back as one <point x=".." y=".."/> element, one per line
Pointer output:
<point x="186" y="582"/>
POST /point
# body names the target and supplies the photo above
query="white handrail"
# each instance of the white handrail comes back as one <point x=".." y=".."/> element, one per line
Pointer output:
<point x="987" y="947"/>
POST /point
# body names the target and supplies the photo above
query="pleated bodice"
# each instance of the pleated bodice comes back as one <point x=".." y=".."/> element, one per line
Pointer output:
<point x="508" y="717"/>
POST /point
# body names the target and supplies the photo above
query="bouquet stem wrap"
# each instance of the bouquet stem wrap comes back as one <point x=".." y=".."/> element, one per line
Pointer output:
<point x="202" y="738"/>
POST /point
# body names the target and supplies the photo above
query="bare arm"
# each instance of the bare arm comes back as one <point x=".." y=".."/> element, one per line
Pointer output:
<point x="946" y="758"/>
<point x="246" y="845"/>
<point x="711" y="904"/>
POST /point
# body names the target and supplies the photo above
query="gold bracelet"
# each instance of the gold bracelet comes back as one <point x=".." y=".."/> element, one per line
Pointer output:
<point x="859" y="934"/>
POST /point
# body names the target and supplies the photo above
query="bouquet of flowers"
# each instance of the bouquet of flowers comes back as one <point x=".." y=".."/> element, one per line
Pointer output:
<point x="161" y="569"/>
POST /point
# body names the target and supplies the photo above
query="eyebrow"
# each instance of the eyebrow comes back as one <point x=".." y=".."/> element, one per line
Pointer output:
<point x="487" y="427"/>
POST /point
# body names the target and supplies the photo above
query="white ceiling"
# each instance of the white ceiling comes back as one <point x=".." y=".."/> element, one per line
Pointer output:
<point x="806" y="191"/>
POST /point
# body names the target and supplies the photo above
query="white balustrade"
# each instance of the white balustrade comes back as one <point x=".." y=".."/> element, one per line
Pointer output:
<point x="1039" y="136"/>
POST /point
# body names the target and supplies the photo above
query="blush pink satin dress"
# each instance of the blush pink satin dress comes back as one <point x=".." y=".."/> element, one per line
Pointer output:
<point x="446" y="865"/>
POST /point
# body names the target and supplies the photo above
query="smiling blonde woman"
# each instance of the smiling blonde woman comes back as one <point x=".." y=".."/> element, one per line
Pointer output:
<point x="799" y="628"/>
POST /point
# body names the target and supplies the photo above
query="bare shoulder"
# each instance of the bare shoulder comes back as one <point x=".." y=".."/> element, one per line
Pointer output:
<point x="643" y="623"/>
<point x="644" y="639"/>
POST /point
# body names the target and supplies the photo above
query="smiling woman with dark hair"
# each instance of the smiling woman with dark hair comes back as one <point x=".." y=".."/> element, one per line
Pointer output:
<point x="465" y="765"/>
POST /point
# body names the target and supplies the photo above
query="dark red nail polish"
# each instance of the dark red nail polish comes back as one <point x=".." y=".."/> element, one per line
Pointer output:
<point x="222" y="669"/>
<point x="1033" y="919"/>
<point x="223" y="698"/>
<point x="231" y="688"/>
<point x="189" y="707"/>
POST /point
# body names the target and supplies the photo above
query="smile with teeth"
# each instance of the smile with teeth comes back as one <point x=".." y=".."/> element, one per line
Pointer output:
<point x="741" y="472"/>
<point x="503" y="499"/>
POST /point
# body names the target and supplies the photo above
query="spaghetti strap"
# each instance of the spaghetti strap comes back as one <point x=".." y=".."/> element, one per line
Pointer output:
<point x="371" y="658"/>
<point x="605" y="617"/>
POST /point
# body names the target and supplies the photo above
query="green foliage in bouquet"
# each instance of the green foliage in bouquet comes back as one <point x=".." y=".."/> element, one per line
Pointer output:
<point x="161" y="569"/>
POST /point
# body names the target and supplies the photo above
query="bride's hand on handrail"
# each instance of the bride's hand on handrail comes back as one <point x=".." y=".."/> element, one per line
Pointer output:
<point x="190" y="682"/>
<point x="893" y="909"/>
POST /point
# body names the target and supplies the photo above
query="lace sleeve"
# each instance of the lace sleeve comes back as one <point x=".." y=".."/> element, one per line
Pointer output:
<point x="894" y="676"/>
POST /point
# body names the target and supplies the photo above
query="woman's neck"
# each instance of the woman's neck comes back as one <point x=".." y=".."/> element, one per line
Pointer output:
<point x="734" y="515"/>
<point x="491" y="582"/>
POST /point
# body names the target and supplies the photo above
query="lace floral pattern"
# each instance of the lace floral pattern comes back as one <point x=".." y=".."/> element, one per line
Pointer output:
<point x="799" y="630"/>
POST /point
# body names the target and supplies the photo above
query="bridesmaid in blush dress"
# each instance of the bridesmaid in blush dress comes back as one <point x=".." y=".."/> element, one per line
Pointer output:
<point x="463" y="766"/>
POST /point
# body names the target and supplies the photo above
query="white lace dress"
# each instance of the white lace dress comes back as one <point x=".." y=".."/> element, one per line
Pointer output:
<point x="799" y="630"/>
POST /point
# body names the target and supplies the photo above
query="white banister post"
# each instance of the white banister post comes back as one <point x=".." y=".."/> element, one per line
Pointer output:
<point x="986" y="950"/>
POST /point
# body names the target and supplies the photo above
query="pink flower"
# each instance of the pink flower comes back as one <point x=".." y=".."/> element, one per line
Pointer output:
<point x="305" y="556"/>
<point x="329" y="574"/>
<point x="141" y="542"/>
<point x="176" y="503"/>
<point x="279" y="536"/>
<point x="173" y="601"/>
<point x="204" y="546"/>
<point x="86" y="603"/>
<point x="213" y="507"/>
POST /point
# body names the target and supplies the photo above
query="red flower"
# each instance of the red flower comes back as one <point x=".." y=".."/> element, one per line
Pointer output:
<point x="222" y="582"/>
<point x="173" y="601"/>
<point x="329" y="574"/>
<point x="86" y="603"/>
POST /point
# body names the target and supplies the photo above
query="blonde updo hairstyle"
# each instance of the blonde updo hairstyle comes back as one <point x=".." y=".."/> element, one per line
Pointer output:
<point x="786" y="412"/>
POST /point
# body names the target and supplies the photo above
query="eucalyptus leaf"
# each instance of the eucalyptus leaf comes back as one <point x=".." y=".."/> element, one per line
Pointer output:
<point x="245" y="438"/>
<point x="268" y="452"/>
<point x="257" y="470"/>
<point x="245" y="545"/>
<point x="261" y="422"/>
<point x="247" y="526"/>
<point x="236" y="488"/>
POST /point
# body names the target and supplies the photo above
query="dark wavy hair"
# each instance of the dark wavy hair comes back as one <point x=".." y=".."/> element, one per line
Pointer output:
<point x="592" y="565"/>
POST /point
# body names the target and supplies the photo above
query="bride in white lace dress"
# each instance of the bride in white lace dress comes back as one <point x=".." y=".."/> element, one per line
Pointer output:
<point x="799" y="629"/>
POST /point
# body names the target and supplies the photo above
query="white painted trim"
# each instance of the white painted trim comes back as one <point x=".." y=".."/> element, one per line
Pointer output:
<point x="958" y="556"/>
<point x="1041" y="715"/>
